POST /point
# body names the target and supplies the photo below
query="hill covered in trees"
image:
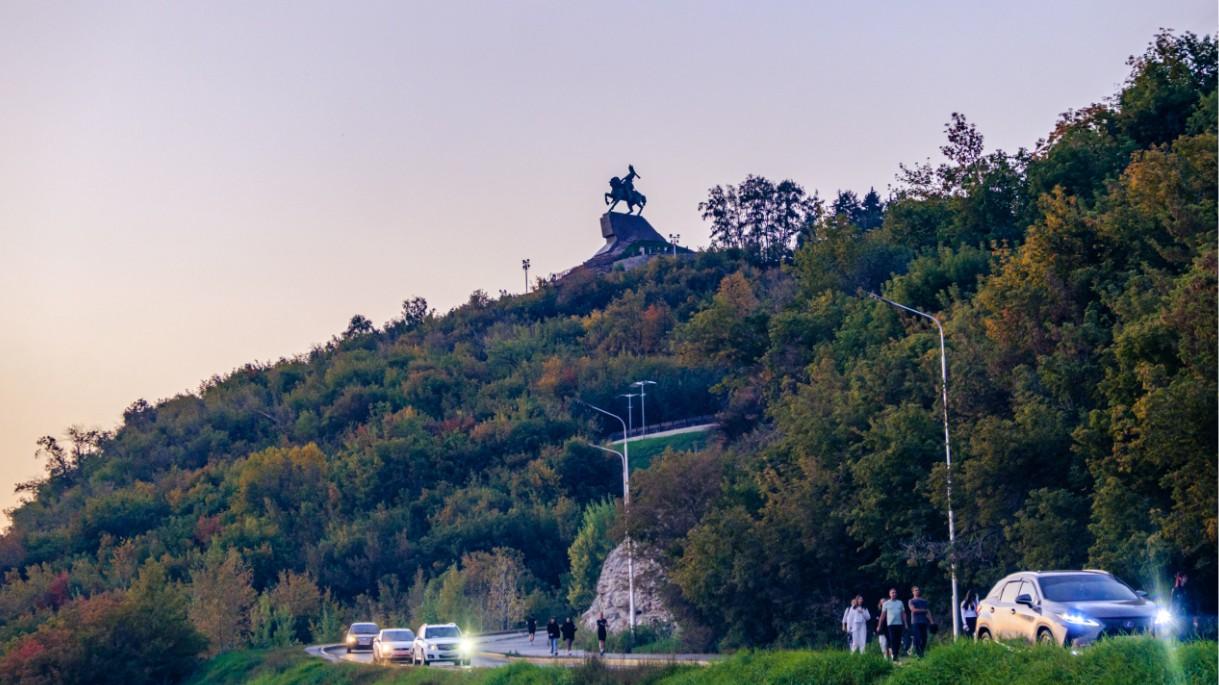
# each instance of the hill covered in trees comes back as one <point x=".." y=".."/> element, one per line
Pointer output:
<point x="438" y="466"/>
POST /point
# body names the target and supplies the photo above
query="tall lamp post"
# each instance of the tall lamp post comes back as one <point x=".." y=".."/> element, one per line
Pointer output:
<point x="952" y="528"/>
<point x="630" y="415"/>
<point x="643" y="408"/>
<point x="626" y="508"/>
<point x="525" y="264"/>
<point x="673" y="238"/>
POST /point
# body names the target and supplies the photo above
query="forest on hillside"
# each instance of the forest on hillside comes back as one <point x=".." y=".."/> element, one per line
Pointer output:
<point x="438" y="466"/>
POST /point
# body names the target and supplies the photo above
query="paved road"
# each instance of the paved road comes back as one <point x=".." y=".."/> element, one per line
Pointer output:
<point x="496" y="650"/>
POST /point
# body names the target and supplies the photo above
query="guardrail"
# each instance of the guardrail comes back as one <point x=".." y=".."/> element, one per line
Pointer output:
<point x="666" y="426"/>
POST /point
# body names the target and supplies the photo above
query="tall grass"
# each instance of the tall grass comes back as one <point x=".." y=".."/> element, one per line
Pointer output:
<point x="1119" y="661"/>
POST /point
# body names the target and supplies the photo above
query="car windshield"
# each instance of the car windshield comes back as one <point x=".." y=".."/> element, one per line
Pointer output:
<point x="443" y="631"/>
<point x="1084" y="587"/>
<point x="364" y="628"/>
<point x="398" y="636"/>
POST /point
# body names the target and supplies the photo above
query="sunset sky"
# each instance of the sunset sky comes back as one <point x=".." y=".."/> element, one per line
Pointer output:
<point x="189" y="186"/>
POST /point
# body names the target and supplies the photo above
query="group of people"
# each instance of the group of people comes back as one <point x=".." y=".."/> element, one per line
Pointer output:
<point x="900" y="625"/>
<point x="565" y="631"/>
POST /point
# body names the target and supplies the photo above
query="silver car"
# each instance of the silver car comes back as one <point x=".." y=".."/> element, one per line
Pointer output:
<point x="393" y="644"/>
<point x="1066" y="608"/>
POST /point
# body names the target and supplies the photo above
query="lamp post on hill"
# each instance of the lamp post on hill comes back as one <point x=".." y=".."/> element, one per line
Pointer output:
<point x="643" y="408"/>
<point x="626" y="508"/>
<point x="952" y="528"/>
<point x="673" y="238"/>
<point x="630" y="415"/>
<point x="525" y="264"/>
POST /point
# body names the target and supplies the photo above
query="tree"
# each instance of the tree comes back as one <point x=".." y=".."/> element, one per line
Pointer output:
<point x="760" y="217"/>
<point x="221" y="595"/>
<point x="588" y="552"/>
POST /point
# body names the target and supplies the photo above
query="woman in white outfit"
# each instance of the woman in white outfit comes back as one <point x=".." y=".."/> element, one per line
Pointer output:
<point x="855" y="622"/>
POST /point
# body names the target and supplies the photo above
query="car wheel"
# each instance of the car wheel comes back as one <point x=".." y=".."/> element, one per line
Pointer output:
<point x="984" y="635"/>
<point x="349" y="650"/>
<point x="1045" y="637"/>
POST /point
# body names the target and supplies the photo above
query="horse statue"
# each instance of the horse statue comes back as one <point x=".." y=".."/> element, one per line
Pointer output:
<point x="623" y="190"/>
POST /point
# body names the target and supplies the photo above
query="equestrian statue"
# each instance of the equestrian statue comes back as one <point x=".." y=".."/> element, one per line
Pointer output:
<point x="623" y="190"/>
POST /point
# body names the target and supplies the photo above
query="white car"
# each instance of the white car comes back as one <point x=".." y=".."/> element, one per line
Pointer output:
<point x="393" y="644"/>
<point x="441" y="642"/>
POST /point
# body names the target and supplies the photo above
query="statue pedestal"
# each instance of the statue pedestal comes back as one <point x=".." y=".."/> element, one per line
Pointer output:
<point x="621" y="231"/>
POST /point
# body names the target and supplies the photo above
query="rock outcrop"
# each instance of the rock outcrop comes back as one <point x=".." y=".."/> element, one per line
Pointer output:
<point x="614" y="599"/>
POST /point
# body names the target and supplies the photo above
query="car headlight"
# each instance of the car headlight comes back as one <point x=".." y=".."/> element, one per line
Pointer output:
<point x="466" y="645"/>
<point x="1164" y="617"/>
<point x="351" y="639"/>
<point x="1079" y="620"/>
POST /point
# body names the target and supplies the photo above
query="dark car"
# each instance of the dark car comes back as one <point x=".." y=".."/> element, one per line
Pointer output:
<point x="1066" y="608"/>
<point x="360" y="636"/>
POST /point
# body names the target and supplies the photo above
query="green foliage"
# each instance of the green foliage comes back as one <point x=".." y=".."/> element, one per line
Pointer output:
<point x="766" y="668"/>
<point x="588" y="552"/>
<point x="404" y="473"/>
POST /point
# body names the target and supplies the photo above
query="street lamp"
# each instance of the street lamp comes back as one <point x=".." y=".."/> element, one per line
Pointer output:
<point x="952" y="528"/>
<point x="643" y="398"/>
<point x="673" y="238"/>
<point x="630" y="415"/>
<point x="626" y="508"/>
<point x="525" y="267"/>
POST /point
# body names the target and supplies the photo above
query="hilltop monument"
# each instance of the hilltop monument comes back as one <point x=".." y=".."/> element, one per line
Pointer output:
<point x="628" y="236"/>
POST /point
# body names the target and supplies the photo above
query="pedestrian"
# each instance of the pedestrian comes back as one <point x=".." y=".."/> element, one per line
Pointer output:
<point x="569" y="633"/>
<point x="892" y="620"/>
<point x="552" y="634"/>
<point x="855" y="624"/>
<point x="602" y="630"/>
<point x="969" y="612"/>
<point x="882" y="638"/>
<point x="531" y="625"/>
<point x="1184" y="611"/>
<point x="920" y="620"/>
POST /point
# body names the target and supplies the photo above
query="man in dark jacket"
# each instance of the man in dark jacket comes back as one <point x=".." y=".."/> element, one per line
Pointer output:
<point x="602" y="629"/>
<point x="552" y="634"/>
<point x="531" y="625"/>
<point x="569" y="633"/>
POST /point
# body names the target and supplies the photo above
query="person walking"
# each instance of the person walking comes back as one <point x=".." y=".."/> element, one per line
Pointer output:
<point x="892" y="620"/>
<point x="882" y="638"/>
<point x="969" y="612"/>
<point x="920" y="620"/>
<point x="569" y="633"/>
<point x="552" y="634"/>
<point x="531" y="625"/>
<point x="1183" y="608"/>
<point x="855" y="624"/>
<point x="602" y="630"/>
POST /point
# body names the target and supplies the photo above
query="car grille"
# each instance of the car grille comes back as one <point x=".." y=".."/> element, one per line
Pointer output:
<point x="1125" y="626"/>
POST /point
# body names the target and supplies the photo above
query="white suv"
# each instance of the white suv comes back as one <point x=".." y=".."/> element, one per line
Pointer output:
<point x="441" y="642"/>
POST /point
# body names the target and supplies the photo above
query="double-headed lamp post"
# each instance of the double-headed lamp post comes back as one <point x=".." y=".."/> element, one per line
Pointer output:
<point x="673" y="238"/>
<point x="952" y="528"/>
<point x="626" y="507"/>
<point x="525" y="264"/>
<point x="643" y="408"/>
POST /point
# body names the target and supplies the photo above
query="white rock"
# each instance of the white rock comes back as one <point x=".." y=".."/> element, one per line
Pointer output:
<point x="613" y="596"/>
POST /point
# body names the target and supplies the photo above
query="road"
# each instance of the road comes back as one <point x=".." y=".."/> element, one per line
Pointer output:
<point x="500" y="650"/>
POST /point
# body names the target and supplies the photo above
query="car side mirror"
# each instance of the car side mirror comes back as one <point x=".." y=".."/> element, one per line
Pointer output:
<point x="1024" y="599"/>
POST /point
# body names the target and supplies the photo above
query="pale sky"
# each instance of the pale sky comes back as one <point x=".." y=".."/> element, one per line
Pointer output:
<point x="189" y="186"/>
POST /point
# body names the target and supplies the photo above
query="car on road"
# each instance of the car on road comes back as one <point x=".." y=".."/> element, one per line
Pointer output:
<point x="441" y="642"/>
<point x="360" y="636"/>
<point x="1071" y="608"/>
<point x="393" y="644"/>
